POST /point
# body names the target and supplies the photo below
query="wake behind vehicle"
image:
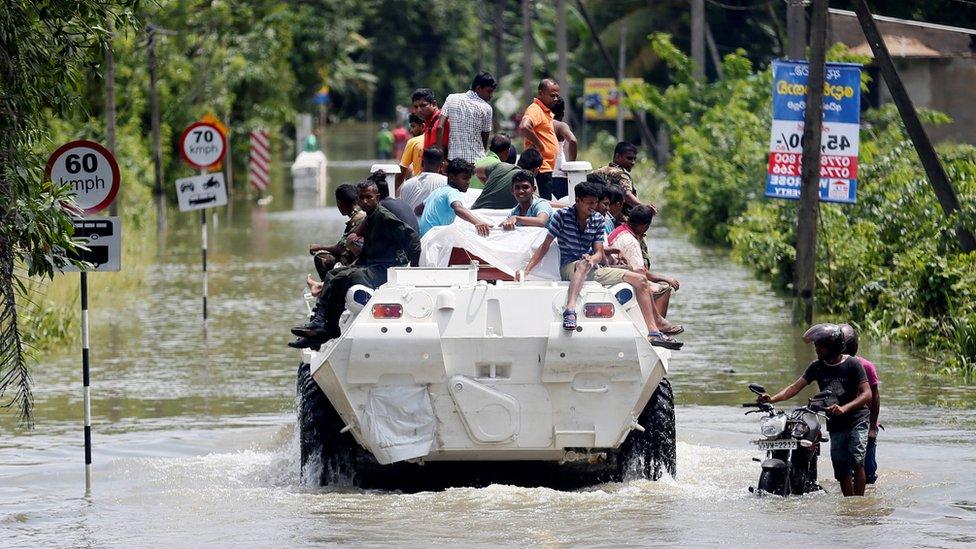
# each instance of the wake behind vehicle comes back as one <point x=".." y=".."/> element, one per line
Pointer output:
<point x="440" y="378"/>
<point x="792" y="445"/>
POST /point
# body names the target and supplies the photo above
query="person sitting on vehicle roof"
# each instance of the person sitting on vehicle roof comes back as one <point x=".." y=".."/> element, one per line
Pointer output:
<point x="326" y="256"/>
<point x="625" y="239"/>
<point x="531" y="210"/>
<point x="576" y="229"/>
<point x="499" y="150"/>
<point x="615" y="205"/>
<point x="396" y="206"/>
<point x="617" y="172"/>
<point x="444" y="204"/>
<point x="388" y="242"/>
<point x="497" y="194"/>
<point x="416" y="189"/>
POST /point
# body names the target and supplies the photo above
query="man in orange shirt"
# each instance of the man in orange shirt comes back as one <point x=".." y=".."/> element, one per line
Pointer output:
<point x="540" y="134"/>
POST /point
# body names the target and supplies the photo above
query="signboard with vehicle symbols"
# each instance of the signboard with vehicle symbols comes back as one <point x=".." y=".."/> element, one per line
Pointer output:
<point x="91" y="172"/>
<point x="202" y="145"/>
<point x="201" y="191"/>
<point x="840" y="137"/>
<point x="102" y="236"/>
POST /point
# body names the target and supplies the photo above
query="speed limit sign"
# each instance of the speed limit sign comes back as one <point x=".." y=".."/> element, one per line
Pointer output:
<point x="89" y="169"/>
<point x="202" y="145"/>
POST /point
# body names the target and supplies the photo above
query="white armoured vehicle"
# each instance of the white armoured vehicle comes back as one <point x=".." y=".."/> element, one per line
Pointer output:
<point x="442" y="378"/>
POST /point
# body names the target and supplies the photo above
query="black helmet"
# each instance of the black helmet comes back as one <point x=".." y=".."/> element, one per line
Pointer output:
<point x="828" y="336"/>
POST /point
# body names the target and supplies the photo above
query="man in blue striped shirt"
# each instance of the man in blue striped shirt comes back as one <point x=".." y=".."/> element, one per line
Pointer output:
<point x="577" y="229"/>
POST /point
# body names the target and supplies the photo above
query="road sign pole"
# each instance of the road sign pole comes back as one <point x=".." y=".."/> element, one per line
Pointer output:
<point x="85" y="376"/>
<point x="203" y="250"/>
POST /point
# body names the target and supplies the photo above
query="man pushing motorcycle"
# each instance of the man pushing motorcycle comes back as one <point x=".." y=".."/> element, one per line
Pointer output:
<point x="848" y="413"/>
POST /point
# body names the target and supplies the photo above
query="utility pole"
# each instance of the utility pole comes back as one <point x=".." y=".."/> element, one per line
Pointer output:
<point x="698" y="38"/>
<point x="500" y="67"/>
<point x="923" y="146"/>
<point x="804" y="279"/>
<point x="154" y="131"/>
<point x="713" y="49"/>
<point x="113" y="209"/>
<point x="796" y="29"/>
<point x="527" y="52"/>
<point x="562" y="70"/>
<point x="621" y="65"/>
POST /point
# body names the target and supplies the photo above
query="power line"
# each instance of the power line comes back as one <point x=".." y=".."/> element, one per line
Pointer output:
<point x="734" y="7"/>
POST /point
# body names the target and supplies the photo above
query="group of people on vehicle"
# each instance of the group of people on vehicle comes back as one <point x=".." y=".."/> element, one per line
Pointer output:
<point x="601" y="236"/>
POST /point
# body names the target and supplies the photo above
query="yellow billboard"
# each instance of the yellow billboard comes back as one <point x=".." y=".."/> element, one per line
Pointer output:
<point x="601" y="97"/>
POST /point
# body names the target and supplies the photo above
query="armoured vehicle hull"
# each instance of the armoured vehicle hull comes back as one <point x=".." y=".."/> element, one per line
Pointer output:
<point x="440" y="379"/>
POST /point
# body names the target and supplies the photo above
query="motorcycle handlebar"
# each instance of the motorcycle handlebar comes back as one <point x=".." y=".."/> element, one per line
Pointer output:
<point x="750" y="405"/>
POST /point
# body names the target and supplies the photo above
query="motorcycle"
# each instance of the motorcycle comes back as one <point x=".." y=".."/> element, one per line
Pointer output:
<point x="792" y="444"/>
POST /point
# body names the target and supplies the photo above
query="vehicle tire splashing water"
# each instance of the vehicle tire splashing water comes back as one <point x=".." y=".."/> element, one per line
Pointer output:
<point x="326" y="454"/>
<point x="650" y="453"/>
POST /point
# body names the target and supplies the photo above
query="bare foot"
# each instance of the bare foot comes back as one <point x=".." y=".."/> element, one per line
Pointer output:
<point x="314" y="286"/>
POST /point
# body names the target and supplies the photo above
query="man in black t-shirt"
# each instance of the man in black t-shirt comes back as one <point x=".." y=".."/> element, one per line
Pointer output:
<point x="848" y="411"/>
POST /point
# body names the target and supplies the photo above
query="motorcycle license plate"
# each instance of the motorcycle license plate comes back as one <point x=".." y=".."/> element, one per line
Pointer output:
<point x="776" y="444"/>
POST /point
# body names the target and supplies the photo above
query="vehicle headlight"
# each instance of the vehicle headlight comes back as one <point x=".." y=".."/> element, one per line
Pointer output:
<point x="771" y="427"/>
<point x="800" y="429"/>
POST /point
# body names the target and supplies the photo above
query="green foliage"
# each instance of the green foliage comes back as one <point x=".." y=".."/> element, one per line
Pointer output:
<point x="44" y="47"/>
<point x="890" y="263"/>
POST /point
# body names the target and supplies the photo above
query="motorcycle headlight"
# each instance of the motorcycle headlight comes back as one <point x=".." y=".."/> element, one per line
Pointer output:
<point x="800" y="429"/>
<point x="771" y="427"/>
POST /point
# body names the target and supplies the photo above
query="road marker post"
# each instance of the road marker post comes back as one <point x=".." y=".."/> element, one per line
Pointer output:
<point x="202" y="145"/>
<point x="92" y="171"/>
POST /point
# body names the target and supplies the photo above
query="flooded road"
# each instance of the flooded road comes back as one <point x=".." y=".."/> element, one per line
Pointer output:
<point x="195" y="444"/>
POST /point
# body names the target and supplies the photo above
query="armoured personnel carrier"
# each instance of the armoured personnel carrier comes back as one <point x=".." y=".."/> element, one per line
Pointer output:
<point x="442" y="378"/>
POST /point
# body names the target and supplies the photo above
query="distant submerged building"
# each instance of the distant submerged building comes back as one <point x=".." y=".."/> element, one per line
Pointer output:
<point x="937" y="64"/>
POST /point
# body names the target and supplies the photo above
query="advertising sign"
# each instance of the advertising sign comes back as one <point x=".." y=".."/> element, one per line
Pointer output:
<point x="601" y="98"/>
<point x="840" y="138"/>
<point x="89" y="169"/>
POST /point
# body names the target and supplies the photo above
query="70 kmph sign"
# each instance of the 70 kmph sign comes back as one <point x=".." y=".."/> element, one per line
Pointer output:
<point x="202" y="145"/>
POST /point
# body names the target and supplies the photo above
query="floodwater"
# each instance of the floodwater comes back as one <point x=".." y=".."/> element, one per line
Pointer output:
<point x="195" y="445"/>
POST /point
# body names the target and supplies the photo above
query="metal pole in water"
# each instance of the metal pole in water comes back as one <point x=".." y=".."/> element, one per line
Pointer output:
<point x="85" y="381"/>
<point x="203" y="249"/>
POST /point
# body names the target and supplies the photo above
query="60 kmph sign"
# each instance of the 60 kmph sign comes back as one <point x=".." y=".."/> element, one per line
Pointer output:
<point x="89" y="169"/>
<point x="202" y="145"/>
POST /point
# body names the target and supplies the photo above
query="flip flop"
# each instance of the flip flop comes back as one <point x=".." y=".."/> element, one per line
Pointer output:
<point x="658" y="339"/>
<point x="569" y="320"/>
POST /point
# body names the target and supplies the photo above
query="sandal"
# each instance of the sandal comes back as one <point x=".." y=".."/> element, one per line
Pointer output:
<point x="569" y="320"/>
<point x="658" y="339"/>
<point x="674" y="330"/>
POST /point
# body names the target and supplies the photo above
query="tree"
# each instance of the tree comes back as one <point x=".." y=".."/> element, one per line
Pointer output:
<point x="44" y="48"/>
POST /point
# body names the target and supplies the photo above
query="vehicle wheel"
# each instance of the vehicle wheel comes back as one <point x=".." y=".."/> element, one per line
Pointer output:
<point x="773" y="481"/>
<point x="326" y="454"/>
<point x="653" y="452"/>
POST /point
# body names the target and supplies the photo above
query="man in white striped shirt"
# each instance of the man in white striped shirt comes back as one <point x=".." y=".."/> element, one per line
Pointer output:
<point x="470" y="118"/>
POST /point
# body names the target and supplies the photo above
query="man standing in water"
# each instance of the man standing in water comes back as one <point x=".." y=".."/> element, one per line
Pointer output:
<point x="848" y="419"/>
<point x="540" y="134"/>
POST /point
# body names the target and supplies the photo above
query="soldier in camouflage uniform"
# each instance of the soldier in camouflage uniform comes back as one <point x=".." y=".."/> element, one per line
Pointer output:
<point x="617" y="173"/>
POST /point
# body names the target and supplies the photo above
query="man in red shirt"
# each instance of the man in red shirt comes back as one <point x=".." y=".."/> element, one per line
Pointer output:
<point x="425" y="106"/>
